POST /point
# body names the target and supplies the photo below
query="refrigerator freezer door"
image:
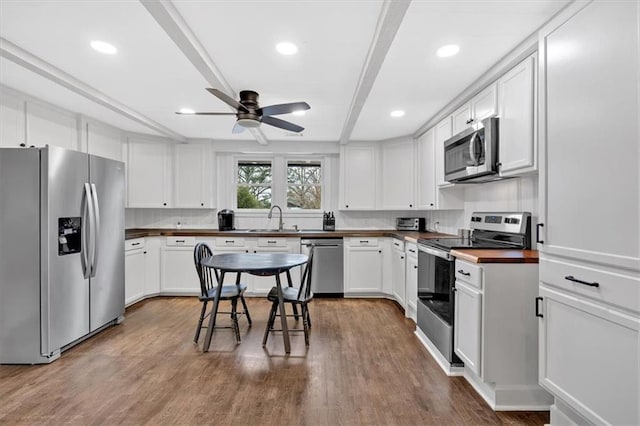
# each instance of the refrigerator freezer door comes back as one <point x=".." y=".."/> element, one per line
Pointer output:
<point x="64" y="290"/>
<point x="107" y="263"/>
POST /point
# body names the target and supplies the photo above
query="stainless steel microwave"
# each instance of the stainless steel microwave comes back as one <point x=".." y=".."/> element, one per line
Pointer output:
<point x="472" y="155"/>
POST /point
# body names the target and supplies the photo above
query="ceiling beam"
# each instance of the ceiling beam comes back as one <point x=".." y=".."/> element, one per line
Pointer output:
<point x="23" y="58"/>
<point x="170" y="20"/>
<point x="389" y="21"/>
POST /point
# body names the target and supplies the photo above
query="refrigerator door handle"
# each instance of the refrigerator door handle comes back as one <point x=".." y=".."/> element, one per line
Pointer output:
<point x="96" y="231"/>
<point x="87" y="229"/>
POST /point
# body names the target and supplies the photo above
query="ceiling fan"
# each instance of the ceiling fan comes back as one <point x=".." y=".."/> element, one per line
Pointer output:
<point x="249" y="113"/>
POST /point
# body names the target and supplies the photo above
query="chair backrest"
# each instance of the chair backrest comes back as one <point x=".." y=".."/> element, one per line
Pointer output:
<point x="207" y="280"/>
<point x="305" y="284"/>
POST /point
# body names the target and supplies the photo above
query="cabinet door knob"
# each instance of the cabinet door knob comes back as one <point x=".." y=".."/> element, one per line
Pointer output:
<point x="401" y="257"/>
<point x="415" y="266"/>
<point x="431" y="204"/>
<point x="347" y="206"/>
<point x="410" y="205"/>
<point x="202" y="204"/>
<point x="379" y="251"/>
<point x="164" y="204"/>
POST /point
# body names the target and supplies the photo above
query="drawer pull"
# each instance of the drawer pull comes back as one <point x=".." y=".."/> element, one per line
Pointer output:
<point x="135" y="244"/>
<point x="575" y="280"/>
<point x="462" y="272"/>
<point x="396" y="244"/>
<point x="180" y="241"/>
<point x="364" y="241"/>
<point x="538" y="314"/>
<point x="271" y="242"/>
<point x="229" y="241"/>
<point x="412" y="250"/>
<point x="538" y="226"/>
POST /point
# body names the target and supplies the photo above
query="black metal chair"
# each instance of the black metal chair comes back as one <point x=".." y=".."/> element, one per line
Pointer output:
<point x="297" y="297"/>
<point x="209" y="287"/>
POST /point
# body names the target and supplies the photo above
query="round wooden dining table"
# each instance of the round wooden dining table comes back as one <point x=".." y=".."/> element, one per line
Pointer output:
<point x="262" y="264"/>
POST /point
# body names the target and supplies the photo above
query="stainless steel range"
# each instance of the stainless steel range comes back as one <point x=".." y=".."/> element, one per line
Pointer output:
<point x="490" y="230"/>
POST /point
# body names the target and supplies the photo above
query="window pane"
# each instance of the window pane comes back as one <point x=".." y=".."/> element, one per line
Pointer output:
<point x="254" y="197"/>
<point x="308" y="173"/>
<point x="254" y="172"/>
<point x="304" y="196"/>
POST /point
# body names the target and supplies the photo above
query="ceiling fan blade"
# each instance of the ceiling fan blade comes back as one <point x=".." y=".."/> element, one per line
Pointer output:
<point x="238" y="129"/>
<point x="284" y="108"/>
<point x="205" y="113"/>
<point x="276" y="122"/>
<point x="227" y="99"/>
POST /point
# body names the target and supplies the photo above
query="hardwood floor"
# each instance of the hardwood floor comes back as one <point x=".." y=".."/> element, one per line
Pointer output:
<point x="363" y="366"/>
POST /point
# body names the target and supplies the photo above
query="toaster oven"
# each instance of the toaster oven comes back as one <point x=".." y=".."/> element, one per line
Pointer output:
<point x="411" y="224"/>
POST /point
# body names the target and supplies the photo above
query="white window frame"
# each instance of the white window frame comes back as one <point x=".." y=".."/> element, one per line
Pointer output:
<point x="248" y="159"/>
<point x="323" y="180"/>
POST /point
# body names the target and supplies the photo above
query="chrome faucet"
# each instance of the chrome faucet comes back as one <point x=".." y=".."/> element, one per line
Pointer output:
<point x="280" y="224"/>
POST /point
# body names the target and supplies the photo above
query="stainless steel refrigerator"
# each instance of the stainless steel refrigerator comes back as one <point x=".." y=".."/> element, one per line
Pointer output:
<point x="61" y="250"/>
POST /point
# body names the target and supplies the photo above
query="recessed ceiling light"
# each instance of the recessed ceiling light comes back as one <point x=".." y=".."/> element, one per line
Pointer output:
<point x="299" y="112"/>
<point x="448" y="50"/>
<point x="104" y="47"/>
<point x="186" y="111"/>
<point x="287" y="48"/>
<point x="397" y="113"/>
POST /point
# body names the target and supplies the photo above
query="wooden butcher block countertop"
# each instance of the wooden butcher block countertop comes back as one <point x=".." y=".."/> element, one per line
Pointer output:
<point x="411" y="236"/>
<point x="496" y="255"/>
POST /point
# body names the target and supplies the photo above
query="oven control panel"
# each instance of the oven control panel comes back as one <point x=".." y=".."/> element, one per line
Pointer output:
<point x="514" y="222"/>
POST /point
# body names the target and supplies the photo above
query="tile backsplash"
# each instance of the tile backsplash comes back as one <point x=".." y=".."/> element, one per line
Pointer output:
<point x="519" y="194"/>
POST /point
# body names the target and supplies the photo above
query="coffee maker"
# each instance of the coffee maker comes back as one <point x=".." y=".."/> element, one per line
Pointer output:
<point x="225" y="220"/>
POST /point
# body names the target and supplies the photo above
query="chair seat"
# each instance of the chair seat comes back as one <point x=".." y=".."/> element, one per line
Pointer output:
<point x="228" y="291"/>
<point x="290" y="294"/>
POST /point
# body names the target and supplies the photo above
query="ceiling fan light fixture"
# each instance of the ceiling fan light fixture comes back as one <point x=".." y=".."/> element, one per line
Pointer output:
<point x="103" y="47"/>
<point x="287" y="48"/>
<point x="299" y="112"/>
<point x="448" y="50"/>
<point x="397" y="113"/>
<point x="248" y="123"/>
<point x="187" y="111"/>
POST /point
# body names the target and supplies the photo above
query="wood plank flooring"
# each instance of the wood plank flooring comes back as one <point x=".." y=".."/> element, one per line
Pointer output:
<point x="363" y="366"/>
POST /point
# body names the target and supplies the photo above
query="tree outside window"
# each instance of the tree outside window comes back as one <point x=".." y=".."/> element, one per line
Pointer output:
<point x="304" y="185"/>
<point x="254" y="185"/>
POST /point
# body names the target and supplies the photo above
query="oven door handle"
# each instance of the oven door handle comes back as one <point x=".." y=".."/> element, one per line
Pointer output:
<point x="438" y="253"/>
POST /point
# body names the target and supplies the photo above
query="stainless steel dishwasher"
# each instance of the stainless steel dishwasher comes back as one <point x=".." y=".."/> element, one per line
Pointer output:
<point x="328" y="262"/>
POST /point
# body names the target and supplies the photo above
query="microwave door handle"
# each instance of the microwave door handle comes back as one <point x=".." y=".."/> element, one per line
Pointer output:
<point x="475" y="158"/>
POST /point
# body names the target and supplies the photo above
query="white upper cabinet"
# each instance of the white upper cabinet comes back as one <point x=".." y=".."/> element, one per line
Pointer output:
<point x="358" y="166"/>
<point x="104" y="141"/>
<point x="149" y="180"/>
<point x="193" y="170"/>
<point x="589" y="177"/>
<point x="47" y="126"/>
<point x="12" y="121"/>
<point x="481" y="106"/>
<point x="516" y="93"/>
<point x="398" y="175"/>
<point x="443" y="131"/>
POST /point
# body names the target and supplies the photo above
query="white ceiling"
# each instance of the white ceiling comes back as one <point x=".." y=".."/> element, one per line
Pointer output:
<point x="152" y="76"/>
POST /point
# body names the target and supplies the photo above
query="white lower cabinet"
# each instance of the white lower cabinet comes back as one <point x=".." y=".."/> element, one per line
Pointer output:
<point x="398" y="271"/>
<point x="134" y="271"/>
<point x="362" y="266"/>
<point x="411" y="281"/>
<point x="468" y="321"/>
<point x="586" y="348"/>
<point x="178" y="273"/>
<point x="496" y="333"/>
